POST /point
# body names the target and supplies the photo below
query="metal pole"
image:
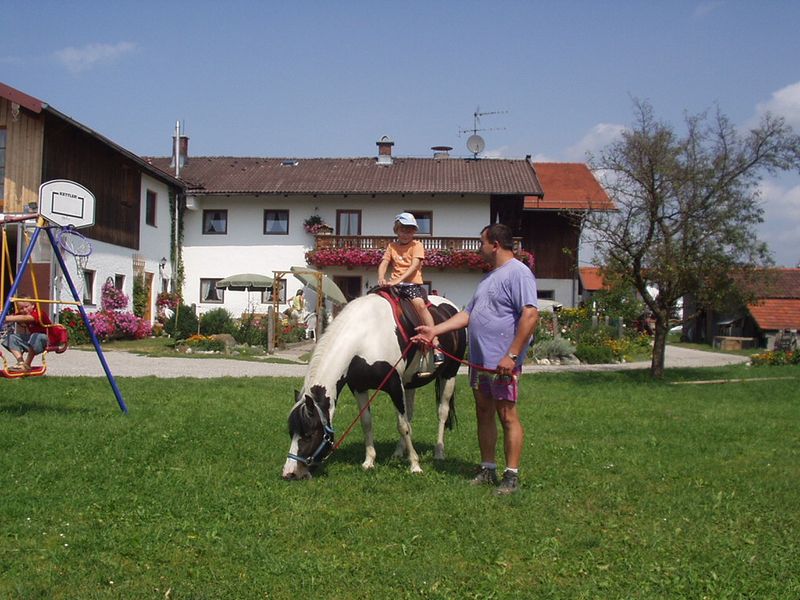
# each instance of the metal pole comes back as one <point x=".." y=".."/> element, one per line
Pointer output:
<point x="85" y="317"/>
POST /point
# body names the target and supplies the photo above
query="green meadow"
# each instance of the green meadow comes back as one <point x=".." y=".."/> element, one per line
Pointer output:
<point x="631" y="489"/>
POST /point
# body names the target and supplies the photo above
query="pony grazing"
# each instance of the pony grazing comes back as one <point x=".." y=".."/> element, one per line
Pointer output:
<point x="359" y="350"/>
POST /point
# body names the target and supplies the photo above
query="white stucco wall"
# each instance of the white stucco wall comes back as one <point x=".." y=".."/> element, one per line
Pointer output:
<point x="108" y="260"/>
<point x="245" y="248"/>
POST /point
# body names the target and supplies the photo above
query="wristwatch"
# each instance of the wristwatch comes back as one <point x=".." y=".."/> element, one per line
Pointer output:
<point x="513" y="356"/>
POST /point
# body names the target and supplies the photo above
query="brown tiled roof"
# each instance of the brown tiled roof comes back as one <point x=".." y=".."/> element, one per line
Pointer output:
<point x="776" y="313"/>
<point x="774" y="283"/>
<point x="243" y="175"/>
<point x="778" y="291"/>
<point x="591" y="279"/>
<point x="568" y="186"/>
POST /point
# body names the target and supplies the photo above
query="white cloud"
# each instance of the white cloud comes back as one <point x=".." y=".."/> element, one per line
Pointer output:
<point x="785" y="103"/>
<point x="781" y="226"/>
<point x="501" y="152"/>
<point x="91" y="55"/>
<point x="598" y="138"/>
<point x="706" y="7"/>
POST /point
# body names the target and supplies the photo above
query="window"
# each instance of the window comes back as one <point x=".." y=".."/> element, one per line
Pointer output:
<point x="150" y="208"/>
<point x="88" y="287"/>
<point x="266" y="295"/>
<point x="215" y="222"/>
<point x="424" y="221"/>
<point x="209" y="292"/>
<point x="119" y="281"/>
<point x="2" y="162"/>
<point x="348" y="222"/>
<point x="276" y="222"/>
<point x="546" y="294"/>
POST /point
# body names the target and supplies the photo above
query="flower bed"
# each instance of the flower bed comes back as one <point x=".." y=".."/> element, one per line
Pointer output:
<point x="440" y="259"/>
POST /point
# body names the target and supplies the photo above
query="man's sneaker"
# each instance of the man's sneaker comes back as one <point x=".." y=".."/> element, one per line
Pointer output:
<point x="509" y="484"/>
<point x="438" y="358"/>
<point x="485" y="476"/>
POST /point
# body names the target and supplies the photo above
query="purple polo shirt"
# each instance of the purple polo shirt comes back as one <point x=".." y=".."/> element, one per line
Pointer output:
<point x="495" y="310"/>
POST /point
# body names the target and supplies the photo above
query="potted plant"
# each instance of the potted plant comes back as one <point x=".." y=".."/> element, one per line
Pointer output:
<point x="315" y="224"/>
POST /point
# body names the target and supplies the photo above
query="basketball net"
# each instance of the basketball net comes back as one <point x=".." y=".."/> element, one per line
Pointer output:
<point x="78" y="246"/>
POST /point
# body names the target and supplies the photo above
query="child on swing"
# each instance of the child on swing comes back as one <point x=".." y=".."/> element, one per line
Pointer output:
<point x="405" y="258"/>
<point x="31" y="335"/>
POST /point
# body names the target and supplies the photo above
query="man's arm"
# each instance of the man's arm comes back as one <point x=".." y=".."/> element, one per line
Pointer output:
<point x="426" y="334"/>
<point x="525" y="329"/>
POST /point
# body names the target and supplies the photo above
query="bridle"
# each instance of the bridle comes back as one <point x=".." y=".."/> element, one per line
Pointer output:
<point x="326" y="445"/>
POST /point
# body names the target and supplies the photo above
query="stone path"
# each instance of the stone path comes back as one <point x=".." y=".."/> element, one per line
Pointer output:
<point x="125" y="364"/>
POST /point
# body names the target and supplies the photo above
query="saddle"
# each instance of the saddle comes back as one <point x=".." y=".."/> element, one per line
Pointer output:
<point x="405" y="315"/>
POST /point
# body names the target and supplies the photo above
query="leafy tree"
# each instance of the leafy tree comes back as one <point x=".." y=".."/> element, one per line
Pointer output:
<point x="687" y="209"/>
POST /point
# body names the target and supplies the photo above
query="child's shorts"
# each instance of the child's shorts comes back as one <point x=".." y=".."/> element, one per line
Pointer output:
<point x="409" y="291"/>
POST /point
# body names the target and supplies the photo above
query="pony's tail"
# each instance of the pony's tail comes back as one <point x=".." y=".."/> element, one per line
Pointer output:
<point x="452" y="420"/>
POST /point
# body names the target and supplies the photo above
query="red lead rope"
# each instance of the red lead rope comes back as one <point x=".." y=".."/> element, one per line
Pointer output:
<point x="379" y="388"/>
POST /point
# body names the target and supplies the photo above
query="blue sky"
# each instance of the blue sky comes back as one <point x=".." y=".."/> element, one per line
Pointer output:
<point x="302" y="78"/>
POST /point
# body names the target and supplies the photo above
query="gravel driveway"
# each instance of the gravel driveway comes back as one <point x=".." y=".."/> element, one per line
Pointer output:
<point x="126" y="364"/>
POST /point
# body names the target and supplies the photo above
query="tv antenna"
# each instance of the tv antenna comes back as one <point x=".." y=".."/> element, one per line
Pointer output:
<point x="475" y="142"/>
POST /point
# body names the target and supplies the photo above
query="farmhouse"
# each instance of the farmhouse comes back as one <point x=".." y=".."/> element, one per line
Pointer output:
<point x="262" y="215"/>
<point x="132" y="230"/>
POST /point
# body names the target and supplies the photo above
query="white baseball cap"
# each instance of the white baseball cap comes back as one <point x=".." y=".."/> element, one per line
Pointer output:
<point x="406" y="219"/>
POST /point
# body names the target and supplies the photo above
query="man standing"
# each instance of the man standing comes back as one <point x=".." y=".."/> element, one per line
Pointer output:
<point x="502" y="317"/>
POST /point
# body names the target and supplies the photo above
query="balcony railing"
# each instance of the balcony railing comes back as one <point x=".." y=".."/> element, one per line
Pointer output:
<point x="379" y="242"/>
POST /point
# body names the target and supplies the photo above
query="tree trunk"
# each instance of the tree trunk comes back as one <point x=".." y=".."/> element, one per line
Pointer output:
<point x="659" y="347"/>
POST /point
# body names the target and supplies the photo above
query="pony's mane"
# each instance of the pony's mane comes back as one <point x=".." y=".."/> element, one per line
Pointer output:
<point x="340" y="322"/>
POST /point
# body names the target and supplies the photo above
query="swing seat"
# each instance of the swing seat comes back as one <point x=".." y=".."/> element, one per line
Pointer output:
<point x="57" y="338"/>
<point x="36" y="371"/>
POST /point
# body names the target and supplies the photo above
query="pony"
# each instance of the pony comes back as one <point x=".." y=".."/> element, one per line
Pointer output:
<point x="364" y="346"/>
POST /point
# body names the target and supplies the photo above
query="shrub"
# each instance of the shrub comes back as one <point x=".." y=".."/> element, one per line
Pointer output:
<point x="103" y="324"/>
<point x="112" y="298"/>
<point x="252" y="330"/>
<point x="71" y="319"/>
<point x="555" y="348"/>
<point x="131" y="327"/>
<point x="205" y="343"/>
<point x="775" y="357"/>
<point x="218" y="320"/>
<point x="594" y="355"/>
<point x="141" y="297"/>
<point x="182" y="324"/>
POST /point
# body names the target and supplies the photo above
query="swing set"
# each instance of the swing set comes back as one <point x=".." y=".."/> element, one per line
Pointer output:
<point x="64" y="206"/>
<point x="57" y="334"/>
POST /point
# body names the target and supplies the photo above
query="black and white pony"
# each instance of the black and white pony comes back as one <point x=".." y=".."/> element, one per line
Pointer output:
<point x="359" y="350"/>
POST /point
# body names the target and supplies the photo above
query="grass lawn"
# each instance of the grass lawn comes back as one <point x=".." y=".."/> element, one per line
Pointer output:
<point x="631" y="489"/>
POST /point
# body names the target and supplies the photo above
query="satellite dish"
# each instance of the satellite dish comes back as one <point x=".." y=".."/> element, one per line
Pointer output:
<point x="475" y="144"/>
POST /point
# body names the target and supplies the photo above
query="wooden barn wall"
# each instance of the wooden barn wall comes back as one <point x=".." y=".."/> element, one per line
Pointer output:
<point x="115" y="181"/>
<point x="42" y="274"/>
<point x="24" y="137"/>
<point x="547" y="234"/>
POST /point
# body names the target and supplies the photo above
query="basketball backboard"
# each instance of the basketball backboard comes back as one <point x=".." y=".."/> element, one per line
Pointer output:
<point x="66" y="203"/>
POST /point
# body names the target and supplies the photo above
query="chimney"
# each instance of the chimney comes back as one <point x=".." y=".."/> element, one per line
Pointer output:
<point x="441" y="151"/>
<point x="183" y="150"/>
<point x="385" y="150"/>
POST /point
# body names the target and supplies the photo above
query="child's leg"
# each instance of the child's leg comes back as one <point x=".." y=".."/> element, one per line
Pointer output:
<point x="423" y="312"/>
<point x="425" y="315"/>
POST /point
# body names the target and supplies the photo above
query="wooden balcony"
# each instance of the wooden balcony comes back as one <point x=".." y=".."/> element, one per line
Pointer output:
<point x="379" y="242"/>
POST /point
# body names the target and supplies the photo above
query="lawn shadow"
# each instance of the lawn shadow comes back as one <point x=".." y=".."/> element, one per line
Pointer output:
<point x="456" y="467"/>
<point x="20" y="409"/>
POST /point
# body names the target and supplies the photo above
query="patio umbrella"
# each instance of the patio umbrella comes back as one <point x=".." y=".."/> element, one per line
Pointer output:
<point x="245" y="282"/>
<point x="317" y="280"/>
